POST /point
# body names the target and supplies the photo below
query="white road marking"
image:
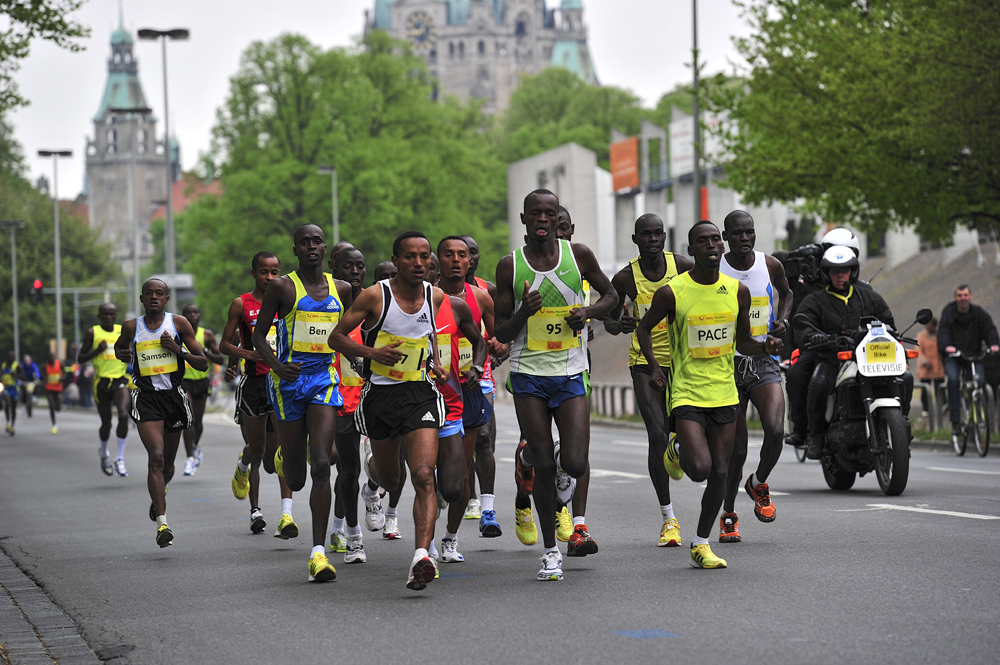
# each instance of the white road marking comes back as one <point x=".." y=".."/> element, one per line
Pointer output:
<point x="951" y="513"/>
<point x="637" y="444"/>
<point x="596" y="473"/>
<point x="978" y="473"/>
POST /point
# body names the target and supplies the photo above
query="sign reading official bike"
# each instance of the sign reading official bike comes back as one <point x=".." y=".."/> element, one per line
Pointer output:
<point x="880" y="355"/>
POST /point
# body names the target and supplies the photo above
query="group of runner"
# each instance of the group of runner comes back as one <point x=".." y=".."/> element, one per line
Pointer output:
<point x="406" y="366"/>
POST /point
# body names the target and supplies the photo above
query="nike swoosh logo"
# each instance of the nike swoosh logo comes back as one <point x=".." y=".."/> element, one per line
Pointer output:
<point x="441" y="330"/>
<point x="566" y="272"/>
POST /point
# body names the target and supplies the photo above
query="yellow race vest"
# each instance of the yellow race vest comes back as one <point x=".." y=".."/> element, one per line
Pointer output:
<point x="106" y="364"/>
<point x="644" y="290"/>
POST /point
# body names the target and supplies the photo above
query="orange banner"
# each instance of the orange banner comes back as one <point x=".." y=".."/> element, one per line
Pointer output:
<point x="625" y="164"/>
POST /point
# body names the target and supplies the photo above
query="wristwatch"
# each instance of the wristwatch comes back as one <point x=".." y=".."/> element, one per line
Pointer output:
<point x="478" y="368"/>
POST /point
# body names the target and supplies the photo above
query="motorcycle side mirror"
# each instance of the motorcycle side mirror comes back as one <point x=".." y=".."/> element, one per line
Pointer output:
<point x="924" y="316"/>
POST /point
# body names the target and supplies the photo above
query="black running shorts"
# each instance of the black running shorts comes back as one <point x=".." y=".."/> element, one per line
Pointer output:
<point x="197" y="388"/>
<point x="171" y="406"/>
<point x="105" y="389"/>
<point x="386" y="412"/>
<point x="251" y="396"/>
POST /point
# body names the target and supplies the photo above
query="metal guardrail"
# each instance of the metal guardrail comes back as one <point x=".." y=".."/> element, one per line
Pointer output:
<point x="612" y="399"/>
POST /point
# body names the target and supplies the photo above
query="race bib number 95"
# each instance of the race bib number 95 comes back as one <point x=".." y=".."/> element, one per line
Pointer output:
<point x="548" y="330"/>
<point x="711" y="335"/>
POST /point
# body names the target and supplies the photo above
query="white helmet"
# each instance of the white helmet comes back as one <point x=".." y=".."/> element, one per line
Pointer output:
<point x="839" y="256"/>
<point x="843" y="237"/>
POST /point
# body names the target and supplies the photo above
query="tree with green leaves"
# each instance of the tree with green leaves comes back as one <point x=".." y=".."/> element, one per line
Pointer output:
<point x="875" y="113"/>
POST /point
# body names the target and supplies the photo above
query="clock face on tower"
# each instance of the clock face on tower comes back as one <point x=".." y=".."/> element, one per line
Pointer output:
<point x="420" y="30"/>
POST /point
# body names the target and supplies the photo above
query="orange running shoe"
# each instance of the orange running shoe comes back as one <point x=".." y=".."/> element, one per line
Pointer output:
<point x="729" y="528"/>
<point x="524" y="476"/>
<point x="581" y="543"/>
<point x="762" y="508"/>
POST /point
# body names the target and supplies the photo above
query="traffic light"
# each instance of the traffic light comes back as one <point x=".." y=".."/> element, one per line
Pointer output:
<point x="36" y="290"/>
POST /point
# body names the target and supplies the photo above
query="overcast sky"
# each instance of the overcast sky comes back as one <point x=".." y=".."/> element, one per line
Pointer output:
<point x="640" y="45"/>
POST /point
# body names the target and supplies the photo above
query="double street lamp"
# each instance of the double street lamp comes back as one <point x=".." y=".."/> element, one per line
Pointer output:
<point x="55" y="155"/>
<point x="164" y="35"/>
<point x="14" y="225"/>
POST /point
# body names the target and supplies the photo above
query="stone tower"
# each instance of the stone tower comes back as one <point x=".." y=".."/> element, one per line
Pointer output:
<point x="476" y="49"/>
<point x="124" y="140"/>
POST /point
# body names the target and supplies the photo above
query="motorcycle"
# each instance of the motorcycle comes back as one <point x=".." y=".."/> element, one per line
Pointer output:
<point x="867" y="429"/>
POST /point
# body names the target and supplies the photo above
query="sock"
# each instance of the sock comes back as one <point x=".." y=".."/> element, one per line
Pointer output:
<point x="698" y="540"/>
<point x="338" y="525"/>
<point x="367" y="492"/>
<point x="667" y="511"/>
<point x="754" y="480"/>
<point x="450" y="536"/>
<point x="390" y="511"/>
<point x="104" y="448"/>
<point x="554" y="548"/>
<point x="286" y="507"/>
<point x="354" y="530"/>
<point x="243" y="467"/>
<point x="420" y="552"/>
<point x="487" y="500"/>
<point x="318" y="549"/>
<point x="121" y="448"/>
<point x="578" y="520"/>
<point x="161" y="520"/>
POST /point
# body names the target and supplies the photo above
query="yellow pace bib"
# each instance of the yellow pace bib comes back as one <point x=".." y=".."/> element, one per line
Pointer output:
<point x="311" y="330"/>
<point x="642" y="304"/>
<point x="154" y="359"/>
<point x="444" y="351"/>
<point x="411" y="366"/>
<point x="760" y="310"/>
<point x="710" y="335"/>
<point x="548" y="330"/>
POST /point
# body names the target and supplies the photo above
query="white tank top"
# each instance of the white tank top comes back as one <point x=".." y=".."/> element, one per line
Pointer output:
<point x="413" y="330"/>
<point x="758" y="280"/>
<point x="153" y="367"/>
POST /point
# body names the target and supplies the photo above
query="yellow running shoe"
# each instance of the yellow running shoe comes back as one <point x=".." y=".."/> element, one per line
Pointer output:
<point x="670" y="534"/>
<point x="164" y="536"/>
<point x="55" y="429"/>
<point x="241" y="481"/>
<point x="702" y="557"/>
<point x="279" y="467"/>
<point x="672" y="459"/>
<point x="525" y="527"/>
<point x="287" y="528"/>
<point x="320" y="568"/>
<point x="564" y="525"/>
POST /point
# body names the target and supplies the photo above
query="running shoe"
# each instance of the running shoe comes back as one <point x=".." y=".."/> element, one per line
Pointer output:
<point x="279" y="467"/>
<point x="449" y="551"/>
<point x="197" y="456"/>
<point x="257" y="523"/>
<point x="564" y="525"/>
<point x="391" y="529"/>
<point x="320" y="568"/>
<point x="55" y="429"/>
<point x="106" y="466"/>
<point x="488" y="525"/>
<point x="164" y="536"/>
<point x="524" y="475"/>
<point x="672" y="459"/>
<point x="189" y="466"/>
<point x="338" y="542"/>
<point x="729" y="528"/>
<point x="525" y="527"/>
<point x="762" y="506"/>
<point x="10" y="430"/>
<point x="287" y="528"/>
<point x="474" y="510"/>
<point x="120" y="467"/>
<point x="423" y="571"/>
<point x="551" y="568"/>
<point x="374" y="516"/>
<point x="702" y="557"/>
<point x="670" y="534"/>
<point x="241" y="481"/>
<point x="355" y="550"/>
<point x="581" y="543"/>
<point x="565" y="483"/>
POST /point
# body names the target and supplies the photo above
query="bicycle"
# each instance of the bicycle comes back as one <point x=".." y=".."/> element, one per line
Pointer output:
<point x="973" y="400"/>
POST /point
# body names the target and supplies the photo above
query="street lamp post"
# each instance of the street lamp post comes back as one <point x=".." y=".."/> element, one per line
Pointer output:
<point x="168" y="228"/>
<point x="55" y="155"/>
<point x="697" y="117"/>
<point x="324" y="170"/>
<point x="13" y="225"/>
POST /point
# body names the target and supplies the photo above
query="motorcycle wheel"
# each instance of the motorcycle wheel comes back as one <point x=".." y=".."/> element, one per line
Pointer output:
<point x="892" y="466"/>
<point x="800" y="453"/>
<point x="981" y="425"/>
<point x="837" y="478"/>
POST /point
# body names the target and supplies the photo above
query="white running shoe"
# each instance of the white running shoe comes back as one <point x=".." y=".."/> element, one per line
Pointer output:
<point x="423" y="570"/>
<point x="374" y="516"/>
<point x="197" y="456"/>
<point x="338" y="541"/>
<point x="189" y="466"/>
<point x="449" y="551"/>
<point x="391" y="529"/>
<point x="565" y="483"/>
<point x="355" y="550"/>
<point x="120" y="467"/>
<point x="474" y="510"/>
<point x="551" y="567"/>
<point x="106" y="466"/>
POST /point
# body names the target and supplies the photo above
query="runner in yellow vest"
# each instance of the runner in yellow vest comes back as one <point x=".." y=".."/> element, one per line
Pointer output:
<point x="638" y="281"/>
<point x="198" y="386"/>
<point x="709" y="317"/>
<point x="110" y="384"/>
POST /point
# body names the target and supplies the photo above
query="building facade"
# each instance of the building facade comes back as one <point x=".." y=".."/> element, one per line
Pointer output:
<point x="477" y="49"/>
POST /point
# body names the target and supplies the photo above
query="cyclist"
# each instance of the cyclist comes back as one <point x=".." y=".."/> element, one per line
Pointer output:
<point x="964" y="327"/>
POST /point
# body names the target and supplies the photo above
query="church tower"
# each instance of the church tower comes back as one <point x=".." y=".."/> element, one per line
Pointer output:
<point x="125" y="169"/>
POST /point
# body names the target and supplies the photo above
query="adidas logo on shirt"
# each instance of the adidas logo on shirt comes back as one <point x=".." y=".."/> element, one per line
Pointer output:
<point x="428" y="417"/>
<point x="422" y="318"/>
<point x="722" y="290"/>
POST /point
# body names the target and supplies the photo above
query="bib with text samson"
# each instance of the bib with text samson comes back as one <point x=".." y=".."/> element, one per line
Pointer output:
<point x="548" y="330"/>
<point x="411" y="366"/>
<point x="642" y="303"/>
<point x="711" y="335"/>
<point x="311" y="330"/>
<point x="154" y="359"/>
<point x="760" y="309"/>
